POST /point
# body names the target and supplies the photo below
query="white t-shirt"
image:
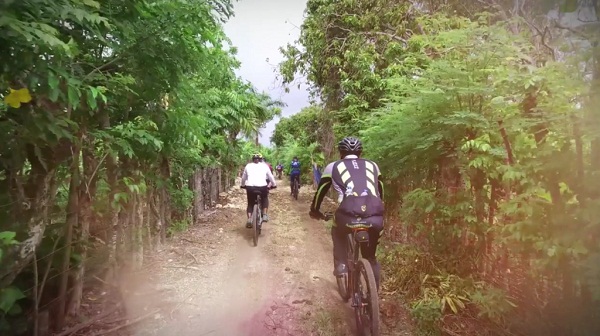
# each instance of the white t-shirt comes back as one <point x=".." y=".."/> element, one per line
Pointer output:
<point x="257" y="174"/>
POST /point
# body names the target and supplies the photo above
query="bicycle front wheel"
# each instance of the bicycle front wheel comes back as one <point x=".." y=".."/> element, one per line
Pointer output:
<point x="255" y="224"/>
<point x="367" y="314"/>
<point x="342" y="283"/>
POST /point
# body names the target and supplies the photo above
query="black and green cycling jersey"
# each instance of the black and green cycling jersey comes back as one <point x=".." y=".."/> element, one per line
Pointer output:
<point x="350" y="176"/>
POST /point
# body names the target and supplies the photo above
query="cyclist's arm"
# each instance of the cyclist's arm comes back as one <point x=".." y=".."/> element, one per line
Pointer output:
<point x="245" y="175"/>
<point x="380" y="184"/>
<point x="322" y="189"/>
<point x="270" y="178"/>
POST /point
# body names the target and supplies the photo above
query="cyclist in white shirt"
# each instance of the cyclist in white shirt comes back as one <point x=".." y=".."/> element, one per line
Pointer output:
<point x="257" y="178"/>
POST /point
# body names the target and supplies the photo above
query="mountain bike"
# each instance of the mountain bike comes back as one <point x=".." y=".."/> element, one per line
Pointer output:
<point x="359" y="283"/>
<point x="257" y="218"/>
<point x="295" y="188"/>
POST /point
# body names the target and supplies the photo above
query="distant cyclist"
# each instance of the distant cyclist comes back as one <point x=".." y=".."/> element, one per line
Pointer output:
<point x="294" y="173"/>
<point x="257" y="178"/>
<point x="279" y="169"/>
<point x="268" y="164"/>
<point x="360" y="192"/>
<point x="264" y="160"/>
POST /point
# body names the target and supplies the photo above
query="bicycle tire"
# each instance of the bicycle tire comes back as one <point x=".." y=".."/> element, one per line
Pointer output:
<point x="295" y="189"/>
<point x="255" y="219"/>
<point x="365" y="270"/>
<point x="343" y="282"/>
<point x="342" y="285"/>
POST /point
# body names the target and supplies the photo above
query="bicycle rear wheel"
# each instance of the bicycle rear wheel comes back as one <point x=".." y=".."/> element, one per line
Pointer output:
<point x="367" y="312"/>
<point x="295" y="189"/>
<point x="255" y="224"/>
<point x="343" y="282"/>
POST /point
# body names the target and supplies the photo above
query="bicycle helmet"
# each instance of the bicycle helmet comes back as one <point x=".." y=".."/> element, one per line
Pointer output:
<point x="350" y="145"/>
<point x="256" y="156"/>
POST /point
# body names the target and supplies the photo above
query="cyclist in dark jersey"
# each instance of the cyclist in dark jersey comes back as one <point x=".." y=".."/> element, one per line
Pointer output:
<point x="295" y="169"/>
<point x="360" y="193"/>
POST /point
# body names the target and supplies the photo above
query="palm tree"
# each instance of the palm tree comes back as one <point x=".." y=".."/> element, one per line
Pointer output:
<point x="264" y="109"/>
<point x="249" y="111"/>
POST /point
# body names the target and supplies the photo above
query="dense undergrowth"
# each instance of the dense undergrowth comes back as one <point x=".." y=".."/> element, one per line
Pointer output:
<point x="483" y="116"/>
<point x="120" y="123"/>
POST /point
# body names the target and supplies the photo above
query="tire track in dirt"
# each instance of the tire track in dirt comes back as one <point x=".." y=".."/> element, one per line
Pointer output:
<point x="210" y="280"/>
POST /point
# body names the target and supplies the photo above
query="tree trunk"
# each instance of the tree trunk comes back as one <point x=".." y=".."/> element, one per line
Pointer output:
<point x="198" y="195"/>
<point x="219" y="181"/>
<point x="30" y="213"/>
<point x="87" y="192"/>
<point x="149" y="242"/>
<point x="113" y="217"/>
<point x="593" y="114"/>
<point x="214" y="186"/>
<point x="71" y="222"/>
<point x="137" y="244"/>
<point x="165" y="204"/>
<point x="156" y="231"/>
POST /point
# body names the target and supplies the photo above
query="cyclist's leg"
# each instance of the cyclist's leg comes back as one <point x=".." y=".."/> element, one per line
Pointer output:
<point x="369" y="251"/>
<point x="291" y="183"/>
<point x="251" y="197"/>
<point x="264" y="198"/>
<point x="298" y="179"/>
<point x="340" y="245"/>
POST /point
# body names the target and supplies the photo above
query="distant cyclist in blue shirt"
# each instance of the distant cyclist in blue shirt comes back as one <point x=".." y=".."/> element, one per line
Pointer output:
<point x="294" y="173"/>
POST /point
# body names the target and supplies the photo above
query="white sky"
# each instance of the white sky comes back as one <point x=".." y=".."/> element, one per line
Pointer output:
<point x="258" y="29"/>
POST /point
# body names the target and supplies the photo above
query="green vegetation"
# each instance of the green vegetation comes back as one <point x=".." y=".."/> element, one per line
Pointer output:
<point x="119" y="121"/>
<point x="298" y="135"/>
<point x="486" y="130"/>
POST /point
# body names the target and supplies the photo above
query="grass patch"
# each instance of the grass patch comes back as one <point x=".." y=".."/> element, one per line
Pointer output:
<point x="178" y="226"/>
<point x="324" y="322"/>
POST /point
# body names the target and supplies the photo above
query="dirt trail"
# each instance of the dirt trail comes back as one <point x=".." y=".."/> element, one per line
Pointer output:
<point x="210" y="280"/>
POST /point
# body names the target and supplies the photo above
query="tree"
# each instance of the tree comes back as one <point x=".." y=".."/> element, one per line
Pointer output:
<point x="109" y="111"/>
<point x="483" y="120"/>
<point x="304" y="125"/>
<point x="345" y="49"/>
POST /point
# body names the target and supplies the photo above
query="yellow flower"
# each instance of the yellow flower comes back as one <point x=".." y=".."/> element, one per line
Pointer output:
<point x="16" y="97"/>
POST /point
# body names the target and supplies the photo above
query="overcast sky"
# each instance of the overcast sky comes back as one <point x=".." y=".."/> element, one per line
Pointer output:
<point x="258" y="29"/>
